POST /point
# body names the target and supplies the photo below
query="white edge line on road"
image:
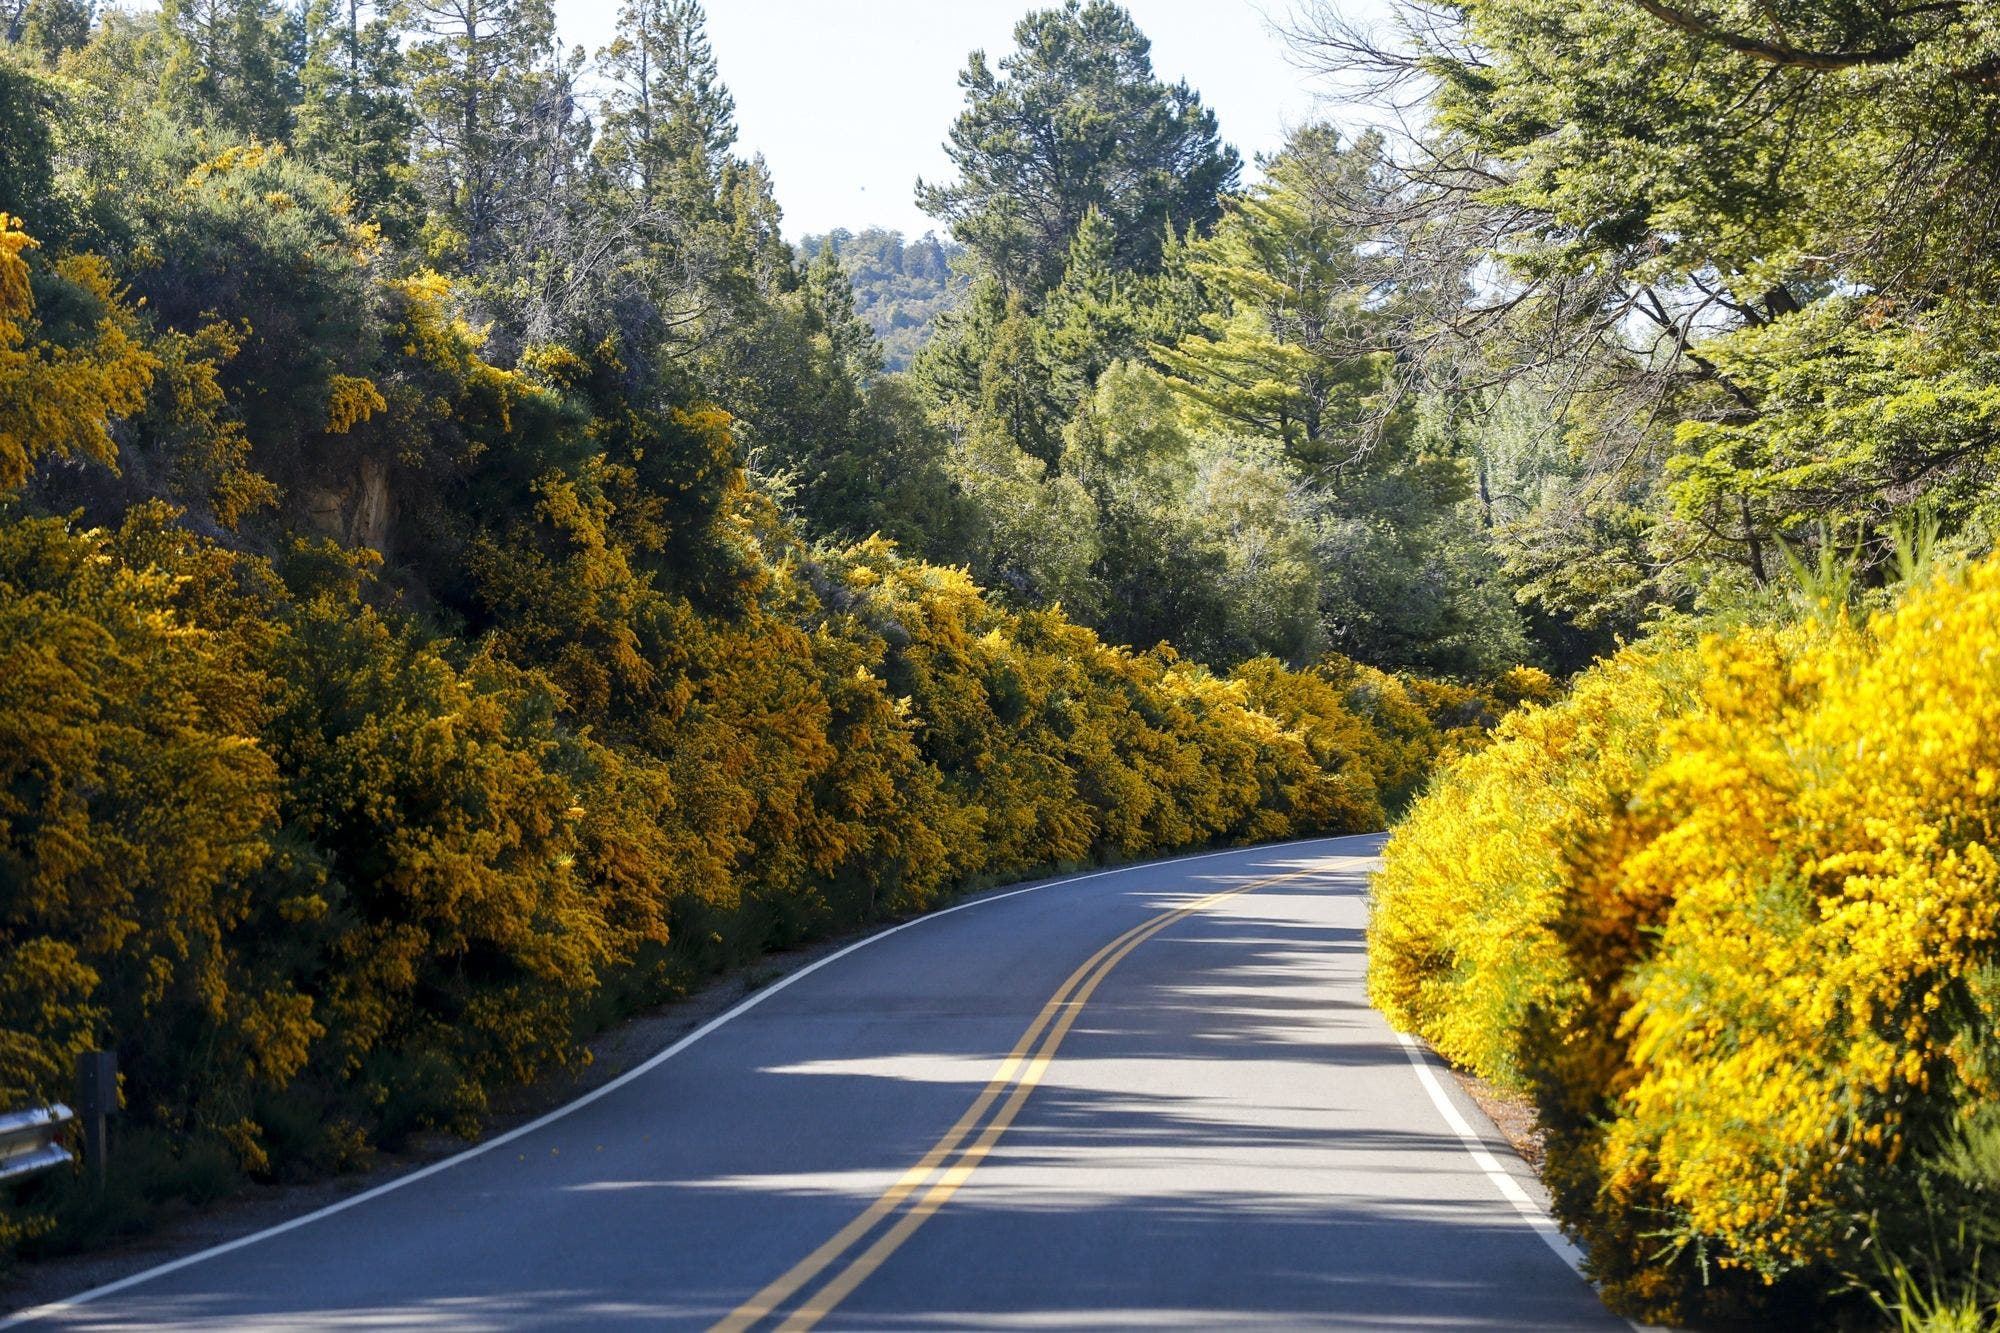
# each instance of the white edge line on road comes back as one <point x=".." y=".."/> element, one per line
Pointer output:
<point x="637" y="1071"/>
<point x="1503" y="1180"/>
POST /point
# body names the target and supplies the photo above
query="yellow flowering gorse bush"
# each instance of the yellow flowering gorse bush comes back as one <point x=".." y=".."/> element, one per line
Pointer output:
<point x="1731" y="912"/>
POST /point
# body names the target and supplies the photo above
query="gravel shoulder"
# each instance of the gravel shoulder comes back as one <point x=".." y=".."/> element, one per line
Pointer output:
<point x="1511" y="1113"/>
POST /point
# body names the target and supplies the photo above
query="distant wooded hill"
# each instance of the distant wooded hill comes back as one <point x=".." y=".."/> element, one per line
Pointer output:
<point x="900" y="286"/>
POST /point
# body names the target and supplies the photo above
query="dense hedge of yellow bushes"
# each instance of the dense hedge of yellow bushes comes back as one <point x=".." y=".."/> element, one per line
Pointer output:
<point x="323" y="869"/>
<point x="1731" y="912"/>
<point x="258" y="836"/>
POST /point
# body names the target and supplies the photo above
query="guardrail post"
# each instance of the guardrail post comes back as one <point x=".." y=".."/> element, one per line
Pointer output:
<point x="96" y="1099"/>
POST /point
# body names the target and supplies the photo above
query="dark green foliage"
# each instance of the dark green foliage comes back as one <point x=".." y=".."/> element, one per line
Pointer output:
<point x="354" y="121"/>
<point x="28" y="104"/>
<point x="1749" y="257"/>
<point x="1090" y="319"/>
<point x="48" y="28"/>
<point x="1076" y="119"/>
<point x="1217" y="454"/>
<point x="232" y="64"/>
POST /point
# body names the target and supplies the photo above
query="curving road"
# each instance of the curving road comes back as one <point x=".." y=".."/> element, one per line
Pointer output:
<point x="1147" y="1098"/>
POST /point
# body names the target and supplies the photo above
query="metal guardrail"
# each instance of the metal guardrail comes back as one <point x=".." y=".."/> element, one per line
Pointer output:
<point x="30" y="1141"/>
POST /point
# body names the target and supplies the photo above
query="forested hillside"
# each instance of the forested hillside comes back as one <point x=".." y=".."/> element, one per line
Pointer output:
<point x="464" y="576"/>
<point x="900" y="287"/>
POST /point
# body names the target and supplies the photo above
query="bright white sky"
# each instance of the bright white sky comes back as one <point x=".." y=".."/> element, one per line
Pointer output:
<point x="849" y="100"/>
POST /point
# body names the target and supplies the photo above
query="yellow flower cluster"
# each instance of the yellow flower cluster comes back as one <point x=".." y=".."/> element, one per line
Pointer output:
<point x="60" y="400"/>
<point x="1731" y="911"/>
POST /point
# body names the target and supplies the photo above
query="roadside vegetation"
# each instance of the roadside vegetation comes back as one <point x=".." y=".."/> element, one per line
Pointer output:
<point x="464" y="576"/>
<point x="1729" y="911"/>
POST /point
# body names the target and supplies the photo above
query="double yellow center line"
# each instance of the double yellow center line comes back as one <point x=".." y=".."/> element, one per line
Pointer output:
<point x="1017" y="1076"/>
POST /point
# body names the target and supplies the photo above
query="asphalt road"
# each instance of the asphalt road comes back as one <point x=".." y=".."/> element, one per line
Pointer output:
<point x="1151" y="1098"/>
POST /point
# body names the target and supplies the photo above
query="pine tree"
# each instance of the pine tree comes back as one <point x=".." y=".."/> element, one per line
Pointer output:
<point x="232" y="63"/>
<point x="849" y="337"/>
<point x="28" y="104"/>
<point x="474" y="78"/>
<point x="354" y="120"/>
<point x="1016" y="400"/>
<point x="1076" y="119"/>
<point x="48" y="28"/>
<point x="1090" y="320"/>
<point x="669" y="123"/>
<point x="755" y="220"/>
<point x="1285" y="352"/>
<point x="663" y="168"/>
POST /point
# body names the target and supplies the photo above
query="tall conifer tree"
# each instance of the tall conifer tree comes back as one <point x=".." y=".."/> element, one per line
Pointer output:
<point x="233" y="63"/>
<point x="474" y="77"/>
<point x="354" y="120"/>
<point x="1090" y="320"/>
<point x="1076" y="119"/>
<point x="668" y="121"/>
